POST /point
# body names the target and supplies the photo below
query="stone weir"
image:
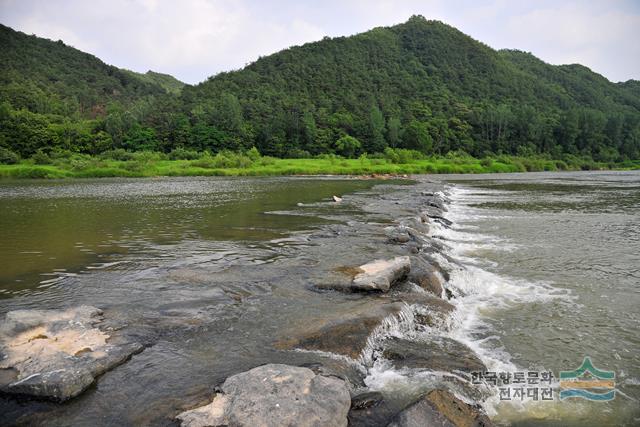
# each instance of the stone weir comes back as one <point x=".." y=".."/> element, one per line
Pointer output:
<point x="408" y="302"/>
<point x="399" y="307"/>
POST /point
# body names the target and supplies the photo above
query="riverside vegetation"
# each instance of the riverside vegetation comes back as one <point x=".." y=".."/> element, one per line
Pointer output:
<point x="415" y="97"/>
<point x="180" y="162"/>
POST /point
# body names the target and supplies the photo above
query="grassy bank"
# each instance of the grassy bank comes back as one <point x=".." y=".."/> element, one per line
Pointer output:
<point x="151" y="164"/>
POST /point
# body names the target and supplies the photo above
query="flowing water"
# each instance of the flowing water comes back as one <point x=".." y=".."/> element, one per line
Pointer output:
<point x="208" y="272"/>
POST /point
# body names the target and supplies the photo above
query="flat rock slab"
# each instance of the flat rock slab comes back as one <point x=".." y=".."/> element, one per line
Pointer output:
<point x="275" y="395"/>
<point x="57" y="354"/>
<point x="381" y="274"/>
<point x="438" y="354"/>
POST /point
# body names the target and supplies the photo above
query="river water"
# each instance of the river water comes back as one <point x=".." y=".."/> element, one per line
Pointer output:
<point x="208" y="272"/>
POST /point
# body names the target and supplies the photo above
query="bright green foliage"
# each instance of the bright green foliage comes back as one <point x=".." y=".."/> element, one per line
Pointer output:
<point x="421" y="86"/>
<point x="347" y="145"/>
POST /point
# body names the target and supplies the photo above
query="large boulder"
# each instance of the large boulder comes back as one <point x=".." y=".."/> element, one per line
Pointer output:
<point x="381" y="274"/>
<point x="441" y="408"/>
<point x="438" y="354"/>
<point x="275" y="395"/>
<point x="57" y="354"/>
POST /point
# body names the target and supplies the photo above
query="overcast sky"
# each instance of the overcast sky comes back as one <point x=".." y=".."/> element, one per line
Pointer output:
<point x="194" y="39"/>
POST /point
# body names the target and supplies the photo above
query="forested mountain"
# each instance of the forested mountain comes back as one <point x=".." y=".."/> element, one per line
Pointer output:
<point x="165" y="81"/>
<point x="421" y="85"/>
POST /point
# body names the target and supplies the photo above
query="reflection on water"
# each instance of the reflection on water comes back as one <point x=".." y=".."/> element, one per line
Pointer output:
<point x="50" y="230"/>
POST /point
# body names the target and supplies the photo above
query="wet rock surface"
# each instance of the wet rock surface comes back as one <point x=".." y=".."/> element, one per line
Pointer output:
<point x="460" y="413"/>
<point x="274" y="395"/>
<point x="440" y="408"/>
<point x="57" y="354"/>
<point x="347" y="336"/>
<point x="438" y="354"/>
<point x="381" y="274"/>
<point x="420" y="414"/>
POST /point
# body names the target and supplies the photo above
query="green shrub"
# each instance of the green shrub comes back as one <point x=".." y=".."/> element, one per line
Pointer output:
<point x="297" y="153"/>
<point x="561" y="165"/>
<point x="181" y="153"/>
<point x="266" y="161"/>
<point x="486" y="162"/>
<point x="133" y="166"/>
<point x="253" y="154"/>
<point x="61" y="154"/>
<point x="119" y="154"/>
<point x="41" y="158"/>
<point x="8" y="157"/>
<point x="148" y="156"/>
<point x="205" y="161"/>
<point x="402" y="156"/>
<point x="80" y="164"/>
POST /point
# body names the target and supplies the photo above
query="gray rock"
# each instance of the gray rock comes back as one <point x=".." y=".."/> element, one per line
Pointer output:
<point x="420" y="414"/>
<point x="437" y="203"/>
<point x="426" y="276"/>
<point x="397" y="235"/>
<point x="381" y="274"/>
<point x="438" y="354"/>
<point x="440" y="408"/>
<point x="346" y="336"/>
<point x="461" y="414"/>
<point x="275" y="395"/>
<point x="365" y="400"/>
<point x="57" y="354"/>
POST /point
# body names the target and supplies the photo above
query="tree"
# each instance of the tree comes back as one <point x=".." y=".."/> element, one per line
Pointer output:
<point x="376" y="127"/>
<point x="416" y="137"/>
<point x="347" y="146"/>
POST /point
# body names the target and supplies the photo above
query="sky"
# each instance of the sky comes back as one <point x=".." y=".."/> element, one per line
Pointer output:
<point x="195" y="39"/>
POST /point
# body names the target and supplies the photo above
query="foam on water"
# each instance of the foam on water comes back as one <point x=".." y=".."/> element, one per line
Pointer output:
<point x="479" y="294"/>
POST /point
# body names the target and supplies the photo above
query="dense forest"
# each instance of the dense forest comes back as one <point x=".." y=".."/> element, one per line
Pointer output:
<point x="421" y="85"/>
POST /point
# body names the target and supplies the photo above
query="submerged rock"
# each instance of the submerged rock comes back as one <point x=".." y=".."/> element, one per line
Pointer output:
<point x="381" y="274"/>
<point x="397" y="235"/>
<point x="370" y="409"/>
<point x="460" y="413"/>
<point x="274" y="395"/>
<point x="420" y="414"/>
<point x="344" y="336"/>
<point x="441" y="408"/>
<point x="438" y="354"/>
<point x="365" y="400"/>
<point x="57" y="353"/>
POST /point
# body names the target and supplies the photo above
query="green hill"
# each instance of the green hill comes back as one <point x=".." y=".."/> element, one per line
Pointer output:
<point x="50" y="77"/>
<point x="165" y="81"/>
<point x="420" y="85"/>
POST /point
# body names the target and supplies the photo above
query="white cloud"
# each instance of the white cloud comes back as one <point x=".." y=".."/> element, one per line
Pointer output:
<point x="604" y="41"/>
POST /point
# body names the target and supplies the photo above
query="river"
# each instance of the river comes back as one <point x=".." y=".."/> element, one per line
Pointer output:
<point x="208" y="272"/>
